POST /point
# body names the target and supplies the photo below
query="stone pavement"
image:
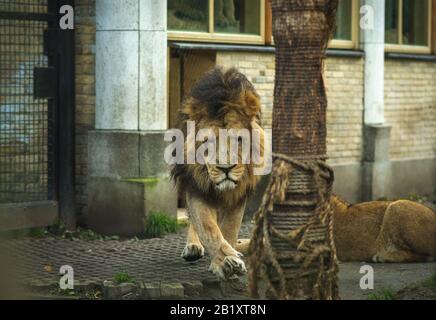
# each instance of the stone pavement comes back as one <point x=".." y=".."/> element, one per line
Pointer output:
<point x="154" y="261"/>
<point x="393" y="276"/>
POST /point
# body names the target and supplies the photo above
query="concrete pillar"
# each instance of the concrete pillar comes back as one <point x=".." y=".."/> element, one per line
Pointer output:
<point x="127" y="175"/>
<point x="377" y="167"/>
<point x="131" y="65"/>
<point x="376" y="171"/>
<point x="373" y="43"/>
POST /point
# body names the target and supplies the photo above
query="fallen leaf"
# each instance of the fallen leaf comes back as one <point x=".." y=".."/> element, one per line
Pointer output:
<point x="48" y="268"/>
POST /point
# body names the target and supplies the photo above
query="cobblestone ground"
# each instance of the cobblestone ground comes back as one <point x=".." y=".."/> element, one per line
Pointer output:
<point x="37" y="262"/>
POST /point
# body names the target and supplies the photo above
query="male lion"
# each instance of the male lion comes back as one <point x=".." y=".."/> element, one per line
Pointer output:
<point x="216" y="194"/>
<point x="384" y="231"/>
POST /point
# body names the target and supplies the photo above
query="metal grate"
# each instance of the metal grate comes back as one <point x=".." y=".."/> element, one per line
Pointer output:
<point x="25" y="122"/>
<point x="152" y="260"/>
<point x="24" y="6"/>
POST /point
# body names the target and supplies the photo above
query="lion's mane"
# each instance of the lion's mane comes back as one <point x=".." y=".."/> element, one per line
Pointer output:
<point x="209" y="103"/>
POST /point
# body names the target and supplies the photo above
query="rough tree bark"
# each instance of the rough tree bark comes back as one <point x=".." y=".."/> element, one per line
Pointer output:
<point x="292" y="243"/>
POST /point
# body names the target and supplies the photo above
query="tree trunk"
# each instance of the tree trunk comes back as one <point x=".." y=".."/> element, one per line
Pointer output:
<point x="301" y="32"/>
<point x="293" y="234"/>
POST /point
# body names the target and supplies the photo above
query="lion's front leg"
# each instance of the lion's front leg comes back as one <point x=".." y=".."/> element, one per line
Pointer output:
<point x="230" y="220"/>
<point x="226" y="261"/>
<point x="193" y="250"/>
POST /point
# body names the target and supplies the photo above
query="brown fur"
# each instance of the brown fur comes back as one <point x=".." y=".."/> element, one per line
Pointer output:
<point x="220" y="100"/>
<point x="384" y="231"/>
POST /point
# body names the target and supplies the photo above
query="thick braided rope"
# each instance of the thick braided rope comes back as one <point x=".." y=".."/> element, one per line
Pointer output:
<point x="264" y="261"/>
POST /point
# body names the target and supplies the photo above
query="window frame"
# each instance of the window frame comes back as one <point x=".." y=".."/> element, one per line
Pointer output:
<point x="410" y="48"/>
<point x="213" y="36"/>
<point x="354" y="42"/>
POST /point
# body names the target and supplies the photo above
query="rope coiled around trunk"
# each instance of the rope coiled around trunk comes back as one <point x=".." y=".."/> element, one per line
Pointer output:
<point x="303" y="245"/>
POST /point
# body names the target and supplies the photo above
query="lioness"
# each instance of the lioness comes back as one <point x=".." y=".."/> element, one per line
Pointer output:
<point x="384" y="231"/>
<point x="216" y="194"/>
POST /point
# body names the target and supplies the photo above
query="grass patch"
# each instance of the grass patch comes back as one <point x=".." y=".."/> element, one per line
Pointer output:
<point x="383" y="294"/>
<point x="78" y="234"/>
<point x="159" y="224"/>
<point x="431" y="282"/>
<point x="416" y="197"/>
<point x="87" y="235"/>
<point x="123" y="277"/>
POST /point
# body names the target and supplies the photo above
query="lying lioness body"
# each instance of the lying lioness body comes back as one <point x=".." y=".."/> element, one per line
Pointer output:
<point x="384" y="231"/>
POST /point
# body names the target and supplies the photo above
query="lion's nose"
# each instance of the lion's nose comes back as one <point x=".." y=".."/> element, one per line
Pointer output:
<point x="226" y="169"/>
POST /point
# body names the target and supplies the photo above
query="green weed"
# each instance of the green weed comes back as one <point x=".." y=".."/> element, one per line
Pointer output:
<point x="123" y="277"/>
<point x="159" y="224"/>
<point x="383" y="294"/>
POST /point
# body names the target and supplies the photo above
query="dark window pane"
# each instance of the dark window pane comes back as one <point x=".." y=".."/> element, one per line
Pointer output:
<point x="343" y="22"/>
<point x="391" y="22"/>
<point x="237" y="16"/>
<point x="188" y="15"/>
<point x="415" y="22"/>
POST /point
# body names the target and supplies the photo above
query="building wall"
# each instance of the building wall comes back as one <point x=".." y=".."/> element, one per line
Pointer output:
<point x="410" y="107"/>
<point x="410" y="102"/>
<point x="85" y="92"/>
<point x="344" y="81"/>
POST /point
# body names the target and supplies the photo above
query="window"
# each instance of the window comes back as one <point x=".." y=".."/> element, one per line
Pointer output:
<point x="407" y="25"/>
<point x="241" y="21"/>
<point x="391" y="21"/>
<point x="343" y="20"/>
<point x="346" y="25"/>
<point x="188" y="15"/>
<point x="238" y="17"/>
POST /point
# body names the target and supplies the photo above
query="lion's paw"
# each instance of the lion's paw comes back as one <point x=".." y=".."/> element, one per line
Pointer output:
<point x="231" y="265"/>
<point x="193" y="252"/>
<point x="377" y="258"/>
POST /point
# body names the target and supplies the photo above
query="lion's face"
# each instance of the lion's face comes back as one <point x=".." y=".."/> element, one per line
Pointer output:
<point x="221" y="101"/>
<point x="227" y="175"/>
<point x="235" y="173"/>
